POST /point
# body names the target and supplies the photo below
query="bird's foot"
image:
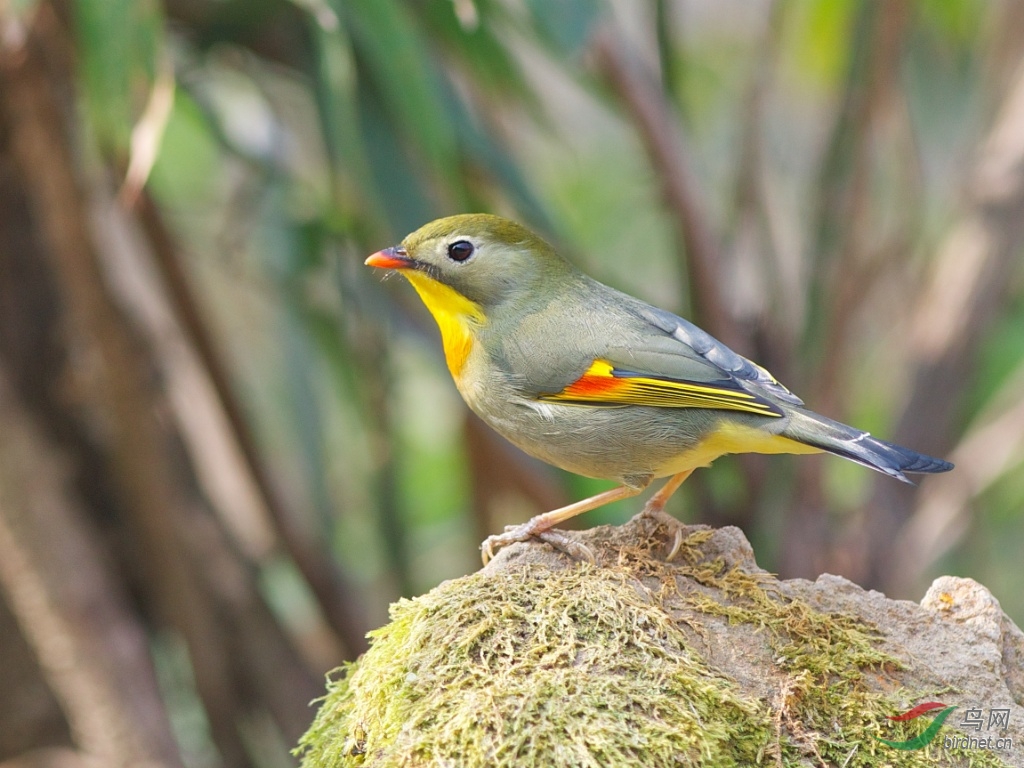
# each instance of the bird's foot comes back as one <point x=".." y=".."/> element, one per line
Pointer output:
<point x="526" y="531"/>
<point x="659" y="515"/>
<point x="568" y="545"/>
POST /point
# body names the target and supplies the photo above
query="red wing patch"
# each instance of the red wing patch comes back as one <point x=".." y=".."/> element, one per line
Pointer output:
<point x="604" y="385"/>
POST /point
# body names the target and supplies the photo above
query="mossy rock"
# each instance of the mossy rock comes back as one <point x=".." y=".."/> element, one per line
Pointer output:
<point x="538" y="660"/>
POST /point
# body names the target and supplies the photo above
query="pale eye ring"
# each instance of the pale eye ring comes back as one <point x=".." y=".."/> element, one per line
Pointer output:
<point x="460" y="250"/>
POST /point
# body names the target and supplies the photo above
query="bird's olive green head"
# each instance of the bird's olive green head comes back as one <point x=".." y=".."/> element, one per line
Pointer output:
<point x="485" y="258"/>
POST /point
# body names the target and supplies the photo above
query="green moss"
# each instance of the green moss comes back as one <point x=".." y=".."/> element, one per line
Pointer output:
<point x="597" y="666"/>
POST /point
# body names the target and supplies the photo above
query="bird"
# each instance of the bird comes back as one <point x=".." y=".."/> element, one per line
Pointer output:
<point x="597" y="382"/>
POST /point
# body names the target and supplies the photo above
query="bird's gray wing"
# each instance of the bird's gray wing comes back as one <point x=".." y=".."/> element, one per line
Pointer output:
<point x="650" y="357"/>
<point x="708" y="348"/>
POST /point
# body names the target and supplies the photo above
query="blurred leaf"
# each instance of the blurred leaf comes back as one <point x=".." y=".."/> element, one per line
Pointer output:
<point x="406" y="198"/>
<point x="432" y="467"/>
<point x="188" y="151"/>
<point x="999" y="358"/>
<point x="481" y="50"/>
<point x="401" y="68"/>
<point x="482" y="149"/>
<point x="819" y="44"/>
<point x="566" y="24"/>
<point x="338" y="98"/>
<point x="307" y="338"/>
<point x="306" y="413"/>
<point x="958" y="21"/>
<point x="118" y="45"/>
<point x="613" y="218"/>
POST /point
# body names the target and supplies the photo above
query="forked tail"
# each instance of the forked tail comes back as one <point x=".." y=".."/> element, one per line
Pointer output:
<point x="842" y="440"/>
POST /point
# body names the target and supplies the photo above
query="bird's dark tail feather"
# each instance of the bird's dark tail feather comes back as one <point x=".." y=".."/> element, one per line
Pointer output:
<point x="842" y="440"/>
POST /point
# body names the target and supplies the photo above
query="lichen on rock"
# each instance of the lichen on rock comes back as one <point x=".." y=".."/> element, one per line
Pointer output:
<point x="538" y="660"/>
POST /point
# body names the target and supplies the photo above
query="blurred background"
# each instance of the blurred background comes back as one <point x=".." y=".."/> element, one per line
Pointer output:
<point x="226" y="446"/>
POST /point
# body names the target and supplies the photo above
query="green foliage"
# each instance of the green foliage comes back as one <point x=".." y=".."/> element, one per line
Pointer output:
<point x="818" y="49"/>
<point x="402" y="72"/>
<point x="306" y="135"/>
<point x="566" y="25"/>
<point x="956" y="21"/>
<point x="120" y="42"/>
<point x="188" y="151"/>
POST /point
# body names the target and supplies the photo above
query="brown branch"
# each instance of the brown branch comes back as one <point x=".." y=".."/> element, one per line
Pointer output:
<point x="748" y="193"/>
<point x="843" y="269"/>
<point x="967" y="290"/>
<point x="751" y="267"/>
<point x="993" y="446"/>
<point x="266" y="668"/>
<point x="30" y="715"/>
<point x="850" y="272"/>
<point x="668" y="155"/>
<point x="752" y="261"/>
<point x="51" y="757"/>
<point x="335" y="595"/>
<point x="93" y="652"/>
<point x="1003" y="53"/>
<point x="665" y="13"/>
<point x="117" y="382"/>
<point x="265" y="665"/>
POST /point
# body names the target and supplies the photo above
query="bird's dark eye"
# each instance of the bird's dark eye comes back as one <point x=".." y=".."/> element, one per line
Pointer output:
<point x="460" y="250"/>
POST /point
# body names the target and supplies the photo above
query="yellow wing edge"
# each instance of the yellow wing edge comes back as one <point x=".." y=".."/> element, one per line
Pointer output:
<point x="602" y="384"/>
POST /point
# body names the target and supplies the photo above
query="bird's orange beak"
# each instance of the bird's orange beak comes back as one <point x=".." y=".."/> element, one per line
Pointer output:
<point x="390" y="258"/>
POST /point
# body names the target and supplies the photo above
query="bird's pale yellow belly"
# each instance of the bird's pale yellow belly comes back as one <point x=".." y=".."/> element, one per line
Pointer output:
<point x="731" y="438"/>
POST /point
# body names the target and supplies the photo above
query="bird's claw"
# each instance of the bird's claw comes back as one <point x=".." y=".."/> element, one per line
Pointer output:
<point x="659" y="515"/>
<point x="677" y="543"/>
<point x="556" y="539"/>
<point x="566" y="544"/>
<point x="512" y="534"/>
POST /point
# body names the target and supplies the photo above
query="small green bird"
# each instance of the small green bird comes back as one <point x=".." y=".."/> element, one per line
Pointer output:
<point x="597" y="382"/>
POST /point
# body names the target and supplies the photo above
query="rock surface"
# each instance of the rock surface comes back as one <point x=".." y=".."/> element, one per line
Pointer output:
<point x="708" y="660"/>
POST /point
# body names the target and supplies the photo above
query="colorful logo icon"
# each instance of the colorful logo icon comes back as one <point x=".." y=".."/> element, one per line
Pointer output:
<point x="928" y="734"/>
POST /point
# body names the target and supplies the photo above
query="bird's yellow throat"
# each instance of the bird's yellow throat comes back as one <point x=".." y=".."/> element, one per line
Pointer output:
<point x="456" y="316"/>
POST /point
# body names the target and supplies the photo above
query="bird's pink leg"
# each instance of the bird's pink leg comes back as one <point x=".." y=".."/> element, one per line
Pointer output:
<point x="540" y="525"/>
<point x="655" y="509"/>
